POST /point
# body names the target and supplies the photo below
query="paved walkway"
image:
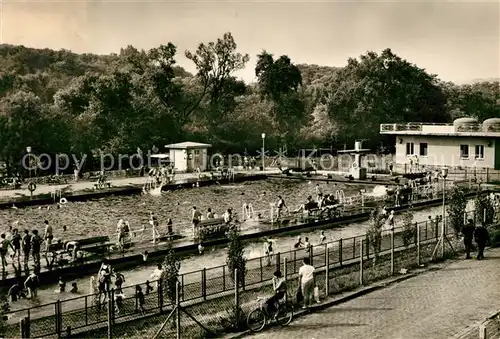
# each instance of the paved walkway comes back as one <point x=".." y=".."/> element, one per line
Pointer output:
<point x="80" y="186"/>
<point x="434" y="305"/>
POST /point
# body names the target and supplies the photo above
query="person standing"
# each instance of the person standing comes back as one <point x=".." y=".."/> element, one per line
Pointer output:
<point x="48" y="230"/>
<point x="322" y="237"/>
<point x="468" y="233"/>
<point x="196" y="218"/>
<point x="482" y="237"/>
<point x="280" y="206"/>
<point x="16" y="244"/>
<point x="36" y="243"/>
<point x="4" y="250"/>
<point x="26" y="245"/>
<point x="306" y="281"/>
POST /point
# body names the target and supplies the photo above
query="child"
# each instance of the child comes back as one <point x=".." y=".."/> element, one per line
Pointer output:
<point x="119" y="280"/>
<point x="140" y="298"/>
<point x="149" y="288"/>
<point x="62" y="285"/>
<point x="74" y="288"/>
<point x="118" y="302"/>
<point x="14" y="292"/>
<point x="322" y="237"/>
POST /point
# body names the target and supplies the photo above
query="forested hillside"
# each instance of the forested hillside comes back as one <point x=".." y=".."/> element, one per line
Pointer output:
<point x="58" y="101"/>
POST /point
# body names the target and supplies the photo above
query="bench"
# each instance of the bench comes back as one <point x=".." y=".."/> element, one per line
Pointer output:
<point x="213" y="227"/>
<point x="211" y="222"/>
<point x="96" y="245"/>
<point x="54" y="252"/>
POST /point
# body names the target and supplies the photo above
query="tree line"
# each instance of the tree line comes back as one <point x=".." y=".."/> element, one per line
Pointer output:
<point x="62" y="102"/>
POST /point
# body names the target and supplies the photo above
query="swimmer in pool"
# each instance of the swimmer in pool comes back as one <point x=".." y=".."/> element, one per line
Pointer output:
<point x="322" y="237"/>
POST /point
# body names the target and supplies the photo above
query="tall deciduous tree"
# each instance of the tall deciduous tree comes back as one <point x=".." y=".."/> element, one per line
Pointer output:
<point x="216" y="63"/>
<point x="382" y="88"/>
<point x="279" y="81"/>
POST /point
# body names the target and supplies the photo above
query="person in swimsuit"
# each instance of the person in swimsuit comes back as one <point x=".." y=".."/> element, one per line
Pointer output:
<point x="280" y="206"/>
<point x="16" y="244"/>
<point x="104" y="281"/>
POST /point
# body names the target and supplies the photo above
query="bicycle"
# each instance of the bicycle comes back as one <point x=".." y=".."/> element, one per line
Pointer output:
<point x="260" y="317"/>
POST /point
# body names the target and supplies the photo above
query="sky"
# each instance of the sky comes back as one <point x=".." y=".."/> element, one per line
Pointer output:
<point x="458" y="41"/>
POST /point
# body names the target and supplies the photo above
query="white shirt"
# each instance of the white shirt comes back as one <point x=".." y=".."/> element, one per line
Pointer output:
<point x="156" y="274"/>
<point x="306" y="272"/>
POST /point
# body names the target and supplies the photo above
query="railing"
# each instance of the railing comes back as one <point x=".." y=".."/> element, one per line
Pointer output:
<point x="85" y="312"/>
<point x="421" y="127"/>
<point x="469" y="128"/>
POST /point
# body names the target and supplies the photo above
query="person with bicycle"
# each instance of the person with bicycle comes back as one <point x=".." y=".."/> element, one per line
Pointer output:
<point x="279" y="287"/>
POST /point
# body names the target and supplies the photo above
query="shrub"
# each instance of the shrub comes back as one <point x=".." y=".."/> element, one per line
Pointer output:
<point x="374" y="233"/>
<point x="170" y="277"/>
<point x="456" y="208"/>
<point x="408" y="232"/>
<point x="236" y="257"/>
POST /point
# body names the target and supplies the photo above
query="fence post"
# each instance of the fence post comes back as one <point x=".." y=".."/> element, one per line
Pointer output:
<point x="178" y="310"/>
<point x="160" y="295"/>
<point x="367" y="243"/>
<point x="294" y="261"/>
<point x="58" y="318"/>
<point x="311" y="255"/>
<point x="236" y="299"/>
<point x="285" y="273"/>
<point x="326" y="252"/>
<point x="278" y="261"/>
<point x="327" y="272"/>
<point x="110" y="316"/>
<point x="465" y="173"/>
<point x="68" y="332"/>
<point x="482" y="332"/>
<point x="392" y="251"/>
<point x="260" y="264"/>
<point x="418" y="244"/>
<point x="204" y="283"/>
<point x="487" y="175"/>
<point x="361" y="255"/>
<point x="224" y="277"/>
<point x="24" y="326"/>
<point x="340" y="251"/>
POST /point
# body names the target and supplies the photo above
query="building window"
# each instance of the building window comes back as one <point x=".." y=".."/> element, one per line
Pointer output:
<point x="423" y="149"/>
<point x="479" y="152"/>
<point x="410" y="148"/>
<point x="464" y="151"/>
<point x="196" y="152"/>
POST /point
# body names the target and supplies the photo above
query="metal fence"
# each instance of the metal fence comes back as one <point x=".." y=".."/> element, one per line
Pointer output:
<point x="209" y="293"/>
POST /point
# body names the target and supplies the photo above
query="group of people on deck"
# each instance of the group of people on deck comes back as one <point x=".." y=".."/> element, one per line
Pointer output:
<point x="196" y="218"/>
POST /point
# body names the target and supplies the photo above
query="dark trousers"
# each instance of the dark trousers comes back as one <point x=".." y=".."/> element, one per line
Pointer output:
<point x="468" y="247"/>
<point x="480" y="250"/>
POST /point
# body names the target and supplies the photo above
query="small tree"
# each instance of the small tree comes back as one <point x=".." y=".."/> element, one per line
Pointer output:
<point x="235" y="257"/>
<point x="484" y="209"/>
<point x="408" y="233"/>
<point x="170" y="277"/>
<point x="456" y="208"/>
<point x="374" y="233"/>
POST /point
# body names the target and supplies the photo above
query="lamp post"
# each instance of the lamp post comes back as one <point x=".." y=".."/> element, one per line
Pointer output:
<point x="28" y="150"/>
<point x="263" y="135"/>
<point x="444" y="174"/>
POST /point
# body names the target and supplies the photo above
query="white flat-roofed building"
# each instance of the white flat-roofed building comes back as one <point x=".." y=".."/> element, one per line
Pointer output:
<point x="465" y="142"/>
<point x="189" y="156"/>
